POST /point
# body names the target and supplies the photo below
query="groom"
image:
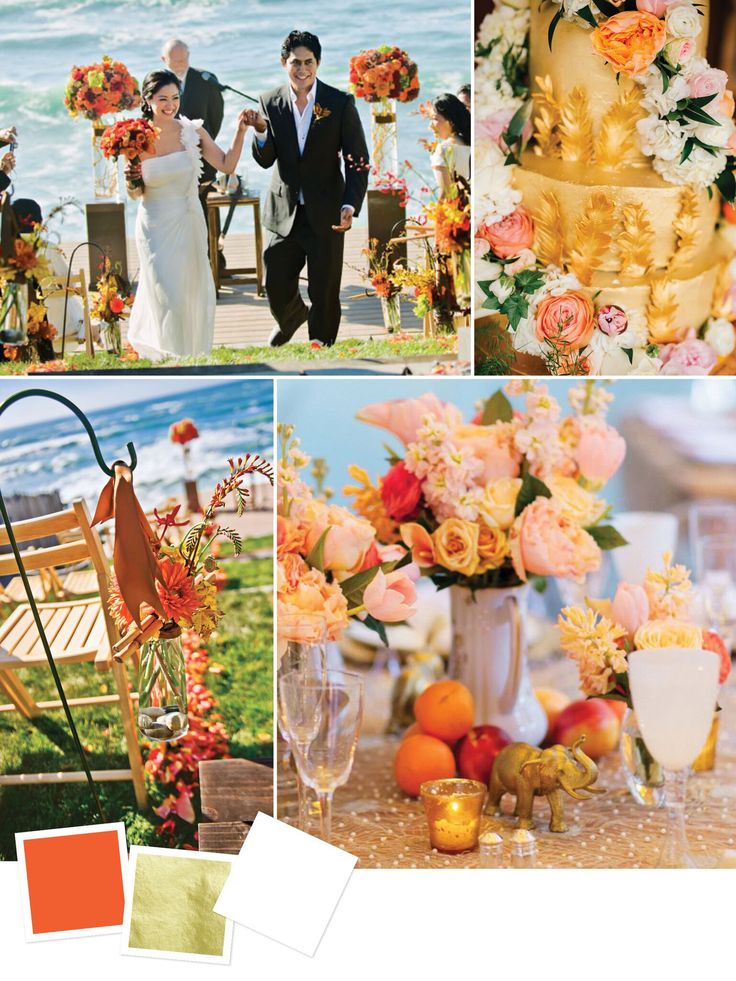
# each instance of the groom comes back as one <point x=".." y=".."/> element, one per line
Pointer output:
<point x="304" y="127"/>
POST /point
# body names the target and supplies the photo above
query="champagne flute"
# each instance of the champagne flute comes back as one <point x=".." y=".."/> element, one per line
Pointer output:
<point x="326" y="760"/>
<point x="302" y="649"/>
<point x="674" y="692"/>
<point x="715" y="563"/>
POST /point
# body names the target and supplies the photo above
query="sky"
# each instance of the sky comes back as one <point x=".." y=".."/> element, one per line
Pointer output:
<point x="91" y="394"/>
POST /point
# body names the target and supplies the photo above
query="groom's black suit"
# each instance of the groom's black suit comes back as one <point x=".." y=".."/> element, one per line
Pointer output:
<point x="203" y="100"/>
<point x="303" y="232"/>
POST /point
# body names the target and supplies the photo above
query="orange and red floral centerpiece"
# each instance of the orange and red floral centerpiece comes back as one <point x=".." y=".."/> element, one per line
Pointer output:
<point x="384" y="73"/>
<point x="183" y="433"/>
<point x="110" y="305"/>
<point x="25" y="331"/>
<point x="96" y="90"/>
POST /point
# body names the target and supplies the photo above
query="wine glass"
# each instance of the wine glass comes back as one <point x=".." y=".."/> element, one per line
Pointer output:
<point x="301" y="641"/>
<point x="710" y="518"/>
<point x="674" y="693"/>
<point x="715" y="564"/>
<point x="649" y="534"/>
<point x="325" y="761"/>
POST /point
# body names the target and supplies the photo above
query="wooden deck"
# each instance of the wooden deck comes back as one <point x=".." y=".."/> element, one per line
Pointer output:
<point x="243" y="319"/>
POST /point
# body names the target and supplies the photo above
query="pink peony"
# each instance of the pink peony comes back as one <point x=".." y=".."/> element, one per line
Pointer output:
<point x="713" y="81"/>
<point x="512" y="235"/>
<point x="691" y="357"/>
<point x="493" y="127"/>
<point x="656" y="7"/>
<point x="347" y="540"/>
<point x="544" y="542"/>
<point x="388" y="596"/>
<point x="493" y="445"/>
<point x="600" y="451"/>
<point x="612" y="321"/>
<point x="419" y="540"/>
<point x="630" y="607"/>
<point x="403" y="417"/>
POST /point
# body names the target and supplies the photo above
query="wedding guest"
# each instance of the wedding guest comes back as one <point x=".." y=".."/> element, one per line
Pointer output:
<point x="198" y="99"/>
<point x="464" y="94"/>
<point x="7" y="166"/>
<point x="450" y="121"/>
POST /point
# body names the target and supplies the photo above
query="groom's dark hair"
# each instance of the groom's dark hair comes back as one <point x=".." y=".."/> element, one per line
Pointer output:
<point x="301" y="39"/>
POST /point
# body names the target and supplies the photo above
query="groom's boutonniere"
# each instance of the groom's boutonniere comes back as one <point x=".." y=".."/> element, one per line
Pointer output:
<point x="320" y="112"/>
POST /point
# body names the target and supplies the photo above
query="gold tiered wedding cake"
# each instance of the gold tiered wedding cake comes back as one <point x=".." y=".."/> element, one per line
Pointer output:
<point x="599" y="246"/>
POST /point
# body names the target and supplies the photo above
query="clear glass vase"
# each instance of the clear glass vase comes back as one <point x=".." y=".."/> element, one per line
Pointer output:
<point x="384" y="138"/>
<point x="644" y="775"/>
<point x="113" y="337"/>
<point x="104" y="169"/>
<point x="391" y="309"/>
<point x="162" y="687"/>
<point x="14" y="301"/>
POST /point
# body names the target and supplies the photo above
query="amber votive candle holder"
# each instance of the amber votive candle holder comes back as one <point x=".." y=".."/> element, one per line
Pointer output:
<point x="453" y="808"/>
<point x="707" y="757"/>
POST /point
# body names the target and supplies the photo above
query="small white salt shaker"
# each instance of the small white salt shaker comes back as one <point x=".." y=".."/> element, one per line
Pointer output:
<point x="491" y="851"/>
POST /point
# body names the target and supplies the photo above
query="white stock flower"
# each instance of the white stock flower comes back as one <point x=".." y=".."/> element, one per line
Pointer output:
<point x="721" y="336"/>
<point x="683" y="20"/>
<point x="661" y="138"/>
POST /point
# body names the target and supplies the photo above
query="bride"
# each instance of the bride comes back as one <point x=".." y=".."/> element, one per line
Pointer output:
<point x="173" y="313"/>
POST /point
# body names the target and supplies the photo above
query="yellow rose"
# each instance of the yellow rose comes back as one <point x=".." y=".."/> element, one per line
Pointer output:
<point x="493" y="547"/>
<point x="577" y="504"/>
<point x="456" y="546"/>
<point x="499" y="502"/>
<point x="668" y="633"/>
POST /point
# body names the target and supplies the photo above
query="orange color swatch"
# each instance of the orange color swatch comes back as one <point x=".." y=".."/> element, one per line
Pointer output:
<point x="75" y="881"/>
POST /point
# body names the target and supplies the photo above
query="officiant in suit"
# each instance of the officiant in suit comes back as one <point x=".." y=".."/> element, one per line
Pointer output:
<point x="199" y="99"/>
<point x="305" y="128"/>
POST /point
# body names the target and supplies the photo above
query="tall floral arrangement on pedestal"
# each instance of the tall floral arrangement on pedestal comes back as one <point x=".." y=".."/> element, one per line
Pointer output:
<point x="332" y="562"/>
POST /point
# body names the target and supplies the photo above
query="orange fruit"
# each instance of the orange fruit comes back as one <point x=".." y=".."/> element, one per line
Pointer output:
<point x="414" y="730"/>
<point x="553" y="702"/>
<point x="421" y="758"/>
<point x="446" y="710"/>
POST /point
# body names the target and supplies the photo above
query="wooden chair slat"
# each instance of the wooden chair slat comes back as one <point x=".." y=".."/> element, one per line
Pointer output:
<point x="45" y="558"/>
<point x="49" y="524"/>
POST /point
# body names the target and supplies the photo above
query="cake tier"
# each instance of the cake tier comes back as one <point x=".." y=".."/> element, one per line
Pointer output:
<point x="582" y="111"/>
<point x="628" y="223"/>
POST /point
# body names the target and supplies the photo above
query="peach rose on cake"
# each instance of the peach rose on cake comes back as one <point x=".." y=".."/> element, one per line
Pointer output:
<point x="630" y="41"/>
<point x="511" y="235"/>
<point x="668" y="633"/>
<point x="348" y="537"/>
<point x="456" y="546"/>
<point x="493" y="446"/>
<point x="403" y="417"/>
<point x="543" y="542"/>
<point x="566" y="321"/>
<point x="493" y="547"/>
<point x="389" y="596"/>
<point x="498" y="506"/>
<point x="577" y="503"/>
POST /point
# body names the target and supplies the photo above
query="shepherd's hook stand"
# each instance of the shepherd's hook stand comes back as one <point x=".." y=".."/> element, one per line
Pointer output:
<point x="110" y="472"/>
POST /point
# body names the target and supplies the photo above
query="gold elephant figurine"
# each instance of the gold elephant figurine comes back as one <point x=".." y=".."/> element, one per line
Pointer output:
<point x="528" y="772"/>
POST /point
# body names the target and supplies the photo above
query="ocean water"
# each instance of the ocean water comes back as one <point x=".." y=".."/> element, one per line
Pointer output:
<point x="238" y="40"/>
<point x="232" y="419"/>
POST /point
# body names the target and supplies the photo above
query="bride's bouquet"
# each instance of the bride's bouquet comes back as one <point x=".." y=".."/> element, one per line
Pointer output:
<point x="129" y="138"/>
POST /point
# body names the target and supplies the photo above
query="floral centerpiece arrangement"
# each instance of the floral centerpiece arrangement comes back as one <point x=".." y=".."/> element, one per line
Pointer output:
<point x="94" y="91"/>
<point x="187" y="595"/>
<point x="25" y="332"/>
<point x="330" y="561"/>
<point x="383" y="73"/>
<point x="110" y="305"/>
<point x="129" y="138"/>
<point x="380" y="275"/>
<point x="487" y="505"/>
<point x="183" y="433"/>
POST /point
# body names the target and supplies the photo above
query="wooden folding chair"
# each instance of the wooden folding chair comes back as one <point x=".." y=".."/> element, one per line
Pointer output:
<point x="76" y="630"/>
<point x="56" y="286"/>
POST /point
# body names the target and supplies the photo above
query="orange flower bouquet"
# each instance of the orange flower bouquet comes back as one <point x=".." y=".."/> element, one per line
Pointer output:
<point x="186" y="586"/>
<point x="129" y="138"/>
<point x="380" y="74"/>
<point x="183" y="432"/>
<point x="95" y="90"/>
<point x="110" y="305"/>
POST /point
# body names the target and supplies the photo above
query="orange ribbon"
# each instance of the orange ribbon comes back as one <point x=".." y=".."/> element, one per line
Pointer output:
<point x="135" y="564"/>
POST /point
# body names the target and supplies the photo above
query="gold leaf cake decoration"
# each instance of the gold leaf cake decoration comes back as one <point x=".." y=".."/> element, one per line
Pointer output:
<point x="549" y="230"/>
<point x="686" y="228"/>
<point x="635" y="242"/>
<point x="662" y="310"/>
<point x="616" y="143"/>
<point x="722" y="304"/>
<point x="547" y="116"/>
<point x="576" y="128"/>
<point x="593" y="235"/>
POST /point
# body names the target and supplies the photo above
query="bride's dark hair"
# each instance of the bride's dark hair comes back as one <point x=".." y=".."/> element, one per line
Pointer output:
<point x="457" y="115"/>
<point x="151" y="84"/>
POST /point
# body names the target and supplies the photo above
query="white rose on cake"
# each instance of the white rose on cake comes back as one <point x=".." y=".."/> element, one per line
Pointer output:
<point x="683" y="20"/>
<point x="645" y="365"/>
<point x="717" y="136"/>
<point x="525" y="338"/>
<point x="721" y="336"/>
<point x="700" y="169"/>
<point x="655" y="99"/>
<point x="661" y="138"/>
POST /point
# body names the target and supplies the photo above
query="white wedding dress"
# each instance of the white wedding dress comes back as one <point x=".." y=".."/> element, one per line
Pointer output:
<point x="173" y="313"/>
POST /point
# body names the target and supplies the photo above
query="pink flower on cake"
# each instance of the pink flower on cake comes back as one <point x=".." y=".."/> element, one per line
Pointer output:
<point x="630" y="41"/>
<point x="403" y="417"/>
<point x="630" y="607"/>
<point x="600" y="451"/>
<point x="493" y="128"/>
<point x="544" y="542"/>
<point x="510" y="236"/>
<point x="712" y="81"/>
<point x="612" y="321"/>
<point x="388" y="597"/>
<point x="566" y="321"/>
<point x="656" y="7"/>
<point x="680" y="51"/>
<point x="526" y="260"/>
<point x="691" y="357"/>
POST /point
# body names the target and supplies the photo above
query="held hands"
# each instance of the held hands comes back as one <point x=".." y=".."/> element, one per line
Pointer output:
<point x="8" y="135"/>
<point x="255" y="119"/>
<point x="346" y="220"/>
<point x="243" y="121"/>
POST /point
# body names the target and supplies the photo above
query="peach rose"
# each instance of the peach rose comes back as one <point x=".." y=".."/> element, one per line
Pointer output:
<point x="656" y="7"/>
<point x="544" y="542"/>
<point x="493" y="547"/>
<point x="311" y="593"/>
<point x="714" y="642"/>
<point x="668" y="633"/>
<point x="499" y="502"/>
<point x="403" y="417"/>
<point x="727" y="105"/>
<point x="348" y="538"/>
<point x="630" y="41"/>
<point x="600" y="451"/>
<point x="418" y="539"/>
<point x="630" y="607"/>
<point x="456" y="546"/>
<point x="577" y="504"/>
<point x="388" y="596"/>
<point x="510" y="236"/>
<point x="290" y="537"/>
<point x="493" y="446"/>
<point x="566" y="321"/>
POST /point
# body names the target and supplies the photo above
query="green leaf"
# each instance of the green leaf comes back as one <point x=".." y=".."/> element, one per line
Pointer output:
<point x="376" y="625"/>
<point x="606" y="537"/>
<point x="531" y="489"/>
<point x="516" y="307"/>
<point x="497" y="409"/>
<point x="587" y="14"/>
<point x="517" y="124"/>
<point x="553" y="27"/>
<point x="629" y="352"/>
<point x="726" y="184"/>
<point x="491" y="303"/>
<point x="393" y="457"/>
<point x="687" y="150"/>
<point x="316" y="557"/>
<point x="529" y="280"/>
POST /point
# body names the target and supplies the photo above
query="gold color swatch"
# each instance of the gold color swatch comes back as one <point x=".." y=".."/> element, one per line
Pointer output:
<point x="549" y="230"/>
<point x="576" y="127"/>
<point x="635" y="242"/>
<point x="662" y="310"/>
<point x="616" y="143"/>
<point x="547" y="116"/>
<point x="686" y="228"/>
<point x="593" y="234"/>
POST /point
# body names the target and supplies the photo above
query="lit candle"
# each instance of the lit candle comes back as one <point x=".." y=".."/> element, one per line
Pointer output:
<point x="453" y="809"/>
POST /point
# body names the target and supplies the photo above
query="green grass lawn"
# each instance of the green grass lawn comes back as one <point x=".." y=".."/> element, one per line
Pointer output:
<point x="397" y="347"/>
<point x="241" y="654"/>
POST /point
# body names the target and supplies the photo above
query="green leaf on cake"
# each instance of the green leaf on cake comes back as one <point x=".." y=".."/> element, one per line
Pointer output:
<point x="726" y="184"/>
<point x="553" y="27"/>
<point x="629" y="352"/>
<point x="529" y="280"/>
<point x="587" y="14"/>
<point x="496" y="409"/>
<point x="516" y="307"/>
<point x="379" y="628"/>
<point x="687" y="150"/>
<point x="606" y="537"/>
